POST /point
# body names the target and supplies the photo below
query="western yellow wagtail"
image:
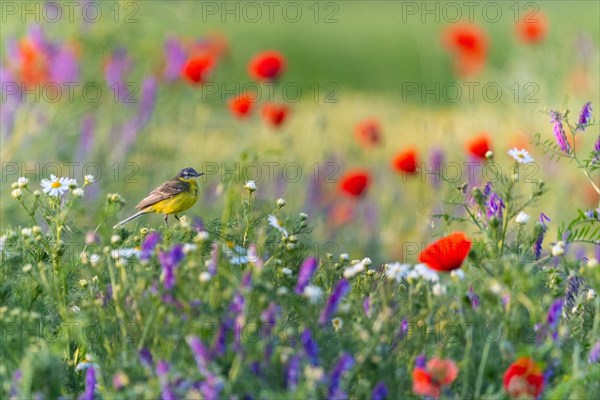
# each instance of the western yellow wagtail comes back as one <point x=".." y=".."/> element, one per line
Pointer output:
<point x="174" y="196"/>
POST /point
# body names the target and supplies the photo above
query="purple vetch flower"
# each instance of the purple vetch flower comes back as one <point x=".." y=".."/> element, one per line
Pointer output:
<point x="146" y="358"/>
<point x="553" y="317"/>
<point x="596" y="150"/>
<point x="594" y="356"/>
<point x="200" y="352"/>
<point x="211" y="387"/>
<point x="421" y="361"/>
<point x="119" y="64"/>
<point x="344" y="364"/>
<point x="176" y="56"/>
<point x="367" y="306"/>
<point x="585" y="116"/>
<point x="90" y="384"/>
<point x="14" y="385"/>
<point x="269" y="319"/>
<point x="246" y="280"/>
<point x="36" y="35"/>
<point x="537" y="246"/>
<point x="473" y="298"/>
<point x="169" y="260"/>
<point x="403" y="329"/>
<point x="436" y="159"/>
<point x="292" y="373"/>
<point x="487" y="190"/>
<point x="237" y="304"/>
<point x="339" y="291"/>
<point x="63" y="67"/>
<point x="505" y="300"/>
<point x="308" y="268"/>
<point x="220" y="344"/>
<point x="147" y="101"/>
<point x="544" y="217"/>
<point x="162" y="371"/>
<point x="559" y="132"/>
<point x="379" y="392"/>
<point x="311" y="348"/>
<point x="495" y="206"/>
<point x="148" y="245"/>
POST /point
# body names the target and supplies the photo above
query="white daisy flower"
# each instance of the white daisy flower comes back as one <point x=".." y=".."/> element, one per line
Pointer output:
<point x="250" y="186"/>
<point x="78" y="192"/>
<point x="521" y="156"/>
<point x="16" y="193"/>
<point x="457" y="273"/>
<point x="356" y="268"/>
<point x="22" y="182"/>
<point x="89" y="179"/>
<point x="397" y="271"/>
<point x="286" y="271"/>
<point x="27" y="232"/>
<point x="280" y="203"/>
<point x="337" y="323"/>
<point x="313" y="293"/>
<point x="590" y="294"/>
<point x="55" y="186"/>
<point x="274" y="222"/>
<point x="522" y="218"/>
<point x="592" y="262"/>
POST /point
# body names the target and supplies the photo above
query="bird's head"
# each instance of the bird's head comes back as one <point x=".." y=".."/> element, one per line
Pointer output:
<point x="189" y="173"/>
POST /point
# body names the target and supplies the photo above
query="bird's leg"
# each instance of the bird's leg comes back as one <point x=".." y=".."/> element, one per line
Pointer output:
<point x="166" y="222"/>
<point x="177" y="218"/>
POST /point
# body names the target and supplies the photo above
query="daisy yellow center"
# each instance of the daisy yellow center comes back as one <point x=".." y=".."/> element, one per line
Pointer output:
<point x="56" y="184"/>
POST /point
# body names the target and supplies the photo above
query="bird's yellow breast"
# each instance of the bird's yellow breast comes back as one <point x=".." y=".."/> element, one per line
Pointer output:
<point x="178" y="203"/>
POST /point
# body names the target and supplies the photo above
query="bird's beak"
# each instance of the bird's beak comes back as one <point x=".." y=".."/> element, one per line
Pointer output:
<point x="199" y="174"/>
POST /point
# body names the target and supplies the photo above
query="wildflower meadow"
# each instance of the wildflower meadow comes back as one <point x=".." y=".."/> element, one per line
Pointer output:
<point x="394" y="200"/>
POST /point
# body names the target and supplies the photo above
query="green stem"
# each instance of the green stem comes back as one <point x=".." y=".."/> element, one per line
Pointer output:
<point x="482" y="363"/>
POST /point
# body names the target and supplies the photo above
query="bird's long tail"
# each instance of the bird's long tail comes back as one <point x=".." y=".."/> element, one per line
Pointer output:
<point x="126" y="220"/>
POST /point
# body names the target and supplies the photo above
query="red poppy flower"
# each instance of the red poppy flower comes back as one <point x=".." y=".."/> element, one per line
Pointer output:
<point x="368" y="132"/>
<point x="468" y="43"/>
<point x="430" y="380"/>
<point x="523" y="378"/>
<point x="266" y="65"/>
<point x="406" y="161"/>
<point x="533" y="28"/>
<point x="479" y="145"/>
<point x="241" y="106"/>
<point x="34" y="64"/>
<point x="197" y="68"/>
<point x="274" y="114"/>
<point x="448" y="253"/>
<point x="355" y="182"/>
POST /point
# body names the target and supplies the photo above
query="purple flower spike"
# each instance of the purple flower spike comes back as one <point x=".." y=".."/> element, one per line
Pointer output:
<point x="162" y="371"/>
<point x="308" y="268"/>
<point x="421" y="361"/>
<point x="559" y="133"/>
<point x="596" y="159"/>
<point x="311" y="348"/>
<point x="86" y="140"/>
<point x="342" y="366"/>
<point x="594" y="356"/>
<point x="115" y="70"/>
<point x="367" y="306"/>
<point x="176" y="56"/>
<point x="269" y="319"/>
<point x="292" y="373"/>
<point x="340" y="290"/>
<point x="473" y="298"/>
<point x="554" y="313"/>
<point x="201" y="353"/>
<point x="90" y="384"/>
<point x="150" y="242"/>
<point x="211" y="388"/>
<point x="380" y="392"/>
<point x="585" y="116"/>
<point x="495" y="206"/>
<point x="169" y="261"/>
<point x="146" y="358"/>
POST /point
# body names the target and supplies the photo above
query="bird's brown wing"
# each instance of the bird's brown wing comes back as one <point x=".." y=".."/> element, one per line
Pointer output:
<point x="163" y="192"/>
